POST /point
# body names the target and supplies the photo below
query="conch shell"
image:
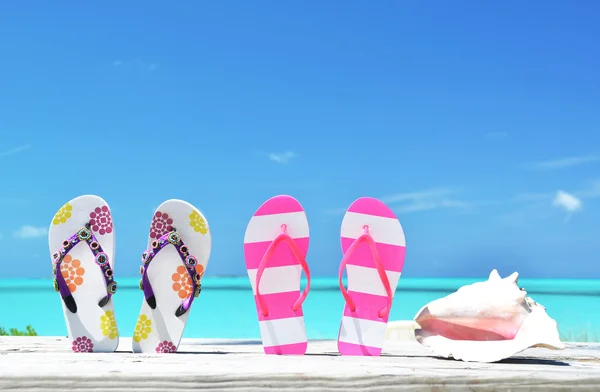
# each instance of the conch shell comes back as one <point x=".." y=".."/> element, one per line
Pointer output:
<point x="486" y="322"/>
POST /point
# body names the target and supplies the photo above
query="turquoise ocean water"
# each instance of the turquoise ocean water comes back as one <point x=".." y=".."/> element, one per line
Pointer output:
<point x="225" y="309"/>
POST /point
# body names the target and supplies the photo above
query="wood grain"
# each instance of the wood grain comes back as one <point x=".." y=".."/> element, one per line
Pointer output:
<point x="47" y="364"/>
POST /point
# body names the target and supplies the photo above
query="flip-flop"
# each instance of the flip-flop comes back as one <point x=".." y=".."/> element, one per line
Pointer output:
<point x="179" y="245"/>
<point x="275" y="247"/>
<point x="82" y="246"/>
<point x="374" y="248"/>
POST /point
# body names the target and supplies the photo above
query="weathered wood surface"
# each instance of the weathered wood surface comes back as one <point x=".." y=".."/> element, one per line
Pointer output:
<point x="47" y="364"/>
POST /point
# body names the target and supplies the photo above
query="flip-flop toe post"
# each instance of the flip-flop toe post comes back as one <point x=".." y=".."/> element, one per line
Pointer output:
<point x="374" y="248"/>
<point x="173" y="264"/>
<point x="275" y="248"/>
<point x="81" y="239"/>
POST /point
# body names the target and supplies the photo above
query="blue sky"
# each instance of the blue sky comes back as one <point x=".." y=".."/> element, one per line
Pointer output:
<point x="477" y="122"/>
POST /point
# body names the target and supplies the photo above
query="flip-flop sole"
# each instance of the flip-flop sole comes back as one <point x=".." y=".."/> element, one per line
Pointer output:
<point x="92" y="328"/>
<point x="159" y="330"/>
<point x="282" y="330"/>
<point x="362" y="331"/>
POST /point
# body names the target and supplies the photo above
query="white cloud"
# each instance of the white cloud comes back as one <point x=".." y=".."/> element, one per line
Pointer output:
<point x="282" y="157"/>
<point x="15" y="150"/>
<point x="567" y="201"/>
<point x="29" y="231"/>
<point x="420" y="195"/>
<point x="562" y="163"/>
<point x="590" y="191"/>
<point x="424" y="200"/>
<point x="431" y="205"/>
<point x="536" y="206"/>
<point x="437" y="198"/>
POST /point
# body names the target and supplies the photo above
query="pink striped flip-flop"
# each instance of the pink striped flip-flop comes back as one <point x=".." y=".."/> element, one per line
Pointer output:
<point x="374" y="249"/>
<point x="275" y="247"/>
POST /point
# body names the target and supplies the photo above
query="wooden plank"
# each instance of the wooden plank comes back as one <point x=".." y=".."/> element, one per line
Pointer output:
<point x="47" y="364"/>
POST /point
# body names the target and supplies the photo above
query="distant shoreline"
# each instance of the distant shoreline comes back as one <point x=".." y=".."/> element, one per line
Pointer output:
<point x="457" y="278"/>
<point x="564" y="287"/>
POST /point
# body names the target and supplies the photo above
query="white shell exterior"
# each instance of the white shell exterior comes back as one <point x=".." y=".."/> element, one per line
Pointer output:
<point x="486" y="306"/>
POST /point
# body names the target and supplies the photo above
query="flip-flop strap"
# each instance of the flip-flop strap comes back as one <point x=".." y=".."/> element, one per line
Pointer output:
<point x="283" y="237"/>
<point x="366" y="237"/>
<point x="86" y="235"/>
<point x="190" y="262"/>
